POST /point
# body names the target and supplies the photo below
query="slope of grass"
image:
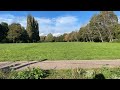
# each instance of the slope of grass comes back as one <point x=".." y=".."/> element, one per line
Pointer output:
<point x="59" y="51"/>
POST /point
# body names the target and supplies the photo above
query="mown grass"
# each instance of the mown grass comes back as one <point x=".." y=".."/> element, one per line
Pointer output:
<point x="59" y="51"/>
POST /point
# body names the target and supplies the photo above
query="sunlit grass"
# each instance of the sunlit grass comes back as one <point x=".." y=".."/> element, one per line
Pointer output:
<point x="59" y="51"/>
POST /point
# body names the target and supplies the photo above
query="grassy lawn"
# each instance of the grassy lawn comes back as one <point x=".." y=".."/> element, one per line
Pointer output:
<point x="59" y="51"/>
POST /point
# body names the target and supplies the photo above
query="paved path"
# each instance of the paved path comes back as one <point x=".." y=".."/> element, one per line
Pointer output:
<point x="61" y="64"/>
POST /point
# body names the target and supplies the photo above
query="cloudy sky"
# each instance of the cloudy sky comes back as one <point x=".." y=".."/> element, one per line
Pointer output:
<point x="55" y="22"/>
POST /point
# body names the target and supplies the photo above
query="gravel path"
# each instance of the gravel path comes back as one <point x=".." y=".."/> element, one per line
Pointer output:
<point x="61" y="64"/>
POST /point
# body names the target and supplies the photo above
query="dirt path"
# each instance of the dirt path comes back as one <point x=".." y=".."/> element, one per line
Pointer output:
<point x="61" y="64"/>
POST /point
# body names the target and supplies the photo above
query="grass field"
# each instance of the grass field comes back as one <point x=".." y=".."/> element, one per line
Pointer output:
<point x="59" y="51"/>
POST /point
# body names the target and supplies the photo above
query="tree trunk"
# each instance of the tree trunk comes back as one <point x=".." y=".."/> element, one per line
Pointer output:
<point x="110" y="35"/>
<point x="100" y="34"/>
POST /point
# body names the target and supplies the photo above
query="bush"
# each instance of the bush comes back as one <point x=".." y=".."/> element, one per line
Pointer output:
<point x="78" y="73"/>
<point x="2" y="75"/>
<point x="89" y="74"/>
<point x="115" y="76"/>
<point x="34" y="73"/>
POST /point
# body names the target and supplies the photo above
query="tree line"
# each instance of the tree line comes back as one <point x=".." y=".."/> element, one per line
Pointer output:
<point x="15" y="33"/>
<point x="102" y="27"/>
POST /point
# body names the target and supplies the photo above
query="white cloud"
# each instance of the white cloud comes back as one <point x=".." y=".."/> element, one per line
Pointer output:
<point x="59" y="25"/>
<point x="11" y="19"/>
<point x="66" y="20"/>
<point x="118" y="19"/>
<point x="42" y="34"/>
<point x="43" y="20"/>
<point x="56" y="34"/>
<point x="56" y="26"/>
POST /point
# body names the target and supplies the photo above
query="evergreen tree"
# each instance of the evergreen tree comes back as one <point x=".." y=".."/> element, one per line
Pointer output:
<point x="3" y="32"/>
<point x="32" y="29"/>
<point x="24" y="36"/>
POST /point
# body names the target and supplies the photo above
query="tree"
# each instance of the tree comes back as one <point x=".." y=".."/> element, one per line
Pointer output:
<point x="103" y="26"/>
<point x="117" y="31"/>
<point x="95" y="25"/>
<point x="59" y="38"/>
<point x="3" y="32"/>
<point x="83" y="34"/>
<point x="15" y="32"/>
<point x="42" y="38"/>
<point x="66" y="38"/>
<point x="73" y="36"/>
<point x="55" y="39"/>
<point x="32" y="29"/>
<point x="49" y="38"/>
<point x="109" y="19"/>
<point x="24" y="36"/>
<point x="36" y="32"/>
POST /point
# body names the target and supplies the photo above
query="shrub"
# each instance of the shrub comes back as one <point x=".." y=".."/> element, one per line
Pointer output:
<point x="89" y="74"/>
<point x="115" y="76"/>
<point x="2" y="75"/>
<point x="6" y="74"/>
<point x="78" y="73"/>
<point x="34" y="73"/>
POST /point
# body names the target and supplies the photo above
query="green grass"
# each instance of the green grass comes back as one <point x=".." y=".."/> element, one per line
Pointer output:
<point x="100" y="73"/>
<point x="78" y="73"/>
<point x="59" y="51"/>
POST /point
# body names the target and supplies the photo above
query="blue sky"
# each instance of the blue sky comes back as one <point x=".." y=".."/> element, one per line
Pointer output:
<point x="55" y="22"/>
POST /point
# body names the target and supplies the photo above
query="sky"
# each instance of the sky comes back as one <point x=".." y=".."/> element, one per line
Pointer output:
<point x="55" y="22"/>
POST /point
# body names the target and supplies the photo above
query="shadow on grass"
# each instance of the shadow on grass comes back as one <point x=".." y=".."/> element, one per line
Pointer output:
<point x="99" y="76"/>
<point x="47" y="73"/>
<point x="43" y="60"/>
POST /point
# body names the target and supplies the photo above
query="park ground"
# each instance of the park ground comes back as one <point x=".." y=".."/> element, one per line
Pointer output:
<point x="63" y="69"/>
<point x="60" y="56"/>
<point x="59" y="51"/>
